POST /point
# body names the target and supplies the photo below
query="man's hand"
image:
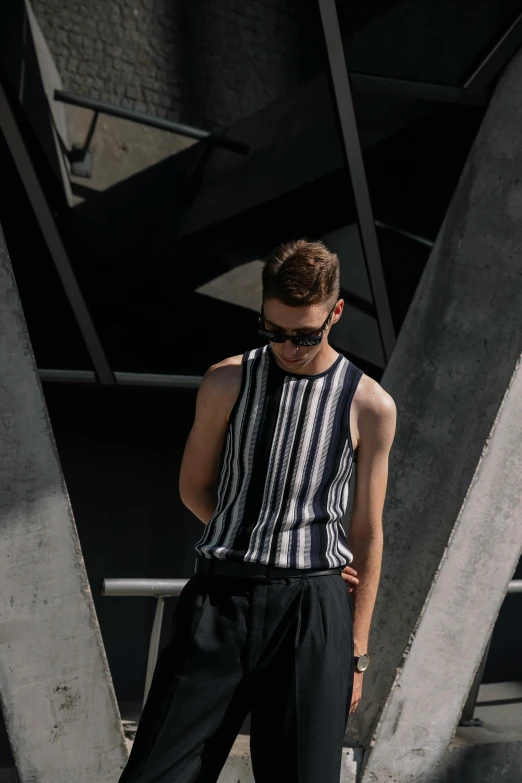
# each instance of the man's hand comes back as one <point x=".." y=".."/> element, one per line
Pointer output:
<point x="350" y="577"/>
<point x="357" y="690"/>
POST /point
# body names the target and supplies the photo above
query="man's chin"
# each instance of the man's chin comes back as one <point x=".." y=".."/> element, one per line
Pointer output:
<point x="291" y="361"/>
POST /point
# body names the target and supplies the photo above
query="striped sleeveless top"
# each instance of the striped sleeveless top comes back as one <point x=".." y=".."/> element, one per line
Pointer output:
<point x="285" y="467"/>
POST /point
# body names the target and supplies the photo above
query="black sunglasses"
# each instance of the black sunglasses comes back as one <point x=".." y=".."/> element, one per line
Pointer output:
<point x="297" y="339"/>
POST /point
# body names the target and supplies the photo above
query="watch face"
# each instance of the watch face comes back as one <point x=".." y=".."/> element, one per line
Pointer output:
<point x="363" y="662"/>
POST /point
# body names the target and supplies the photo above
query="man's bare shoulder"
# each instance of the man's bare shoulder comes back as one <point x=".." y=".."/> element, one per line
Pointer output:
<point x="224" y="374"/>
<point x="372" y="398"/>
<point x="223" y="380"/>
<point x="375" y="409"/>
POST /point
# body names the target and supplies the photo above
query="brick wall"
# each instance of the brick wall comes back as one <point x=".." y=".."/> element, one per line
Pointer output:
<point x="205" y="62"/>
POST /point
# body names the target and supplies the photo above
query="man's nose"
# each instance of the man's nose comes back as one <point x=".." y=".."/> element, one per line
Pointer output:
<point x="288" y="345"/>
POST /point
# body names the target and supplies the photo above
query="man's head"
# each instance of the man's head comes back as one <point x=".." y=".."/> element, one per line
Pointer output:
<point x="300" y="290"/>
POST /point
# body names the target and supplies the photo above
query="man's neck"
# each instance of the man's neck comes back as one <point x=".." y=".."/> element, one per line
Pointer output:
<point x="320" y="363"/>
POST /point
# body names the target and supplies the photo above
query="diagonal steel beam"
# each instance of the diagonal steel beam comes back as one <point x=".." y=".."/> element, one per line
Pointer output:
<point x="408" y="234"/>
<point x="50" y="232"/>
<point x="408" y="88"/>
<point x="352" y="149"/>
<point x="496" y="59"/>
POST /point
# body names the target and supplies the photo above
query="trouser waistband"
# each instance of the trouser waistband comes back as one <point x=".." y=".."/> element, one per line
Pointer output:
<point x="242" y="569"/>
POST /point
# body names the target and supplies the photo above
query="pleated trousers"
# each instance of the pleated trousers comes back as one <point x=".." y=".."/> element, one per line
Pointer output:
<point x="281" y="649"/>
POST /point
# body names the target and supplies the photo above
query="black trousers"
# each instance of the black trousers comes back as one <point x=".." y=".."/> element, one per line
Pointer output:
<point x="280" y="649"/>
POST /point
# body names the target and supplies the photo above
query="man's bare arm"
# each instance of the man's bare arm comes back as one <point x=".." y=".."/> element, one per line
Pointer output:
<point x="198" y="477"/>
<point x="376" y="425"/>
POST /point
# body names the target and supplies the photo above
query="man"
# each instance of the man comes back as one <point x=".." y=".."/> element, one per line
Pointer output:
<point x="266" y="624"/>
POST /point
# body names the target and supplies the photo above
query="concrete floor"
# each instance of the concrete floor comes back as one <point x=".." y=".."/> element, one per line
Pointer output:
<point x="499" y="706"/>
<point x="491" y="753"/>
<point x="482" y="754"/>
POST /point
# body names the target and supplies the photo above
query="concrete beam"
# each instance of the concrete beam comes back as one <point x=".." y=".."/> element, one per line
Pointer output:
<point x="454" y="497"/>
<point x="426" y="700"/>
<point x="56" y="692"/>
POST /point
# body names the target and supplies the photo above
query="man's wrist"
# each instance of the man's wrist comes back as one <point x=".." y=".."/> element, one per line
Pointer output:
<point x="360" y="652"/>
<point x="360" y="646"/>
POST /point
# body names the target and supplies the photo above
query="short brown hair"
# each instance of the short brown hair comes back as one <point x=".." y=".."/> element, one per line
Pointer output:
<point x="302" y="273"/>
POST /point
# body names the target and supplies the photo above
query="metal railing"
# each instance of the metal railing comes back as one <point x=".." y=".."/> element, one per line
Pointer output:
<point x="104" y="107"/>
<point x="160" y="589"/>
<point x="169" y="588"/>
<point x="162" y="380"/>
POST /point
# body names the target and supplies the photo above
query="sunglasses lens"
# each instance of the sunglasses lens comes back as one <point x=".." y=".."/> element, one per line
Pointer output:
<point x="272" y="337"/>
<point x="277" y="337"/>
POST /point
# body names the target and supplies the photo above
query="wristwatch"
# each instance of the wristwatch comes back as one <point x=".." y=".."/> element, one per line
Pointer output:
<point x="361" y="662"/>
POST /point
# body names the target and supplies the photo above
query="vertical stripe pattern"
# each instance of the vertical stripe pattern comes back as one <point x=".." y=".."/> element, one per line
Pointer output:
<point x="285" y="467"/>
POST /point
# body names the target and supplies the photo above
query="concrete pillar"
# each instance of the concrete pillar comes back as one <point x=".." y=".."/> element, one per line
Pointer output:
<point x="56" y="692"/>
<point x="452" y="520"/>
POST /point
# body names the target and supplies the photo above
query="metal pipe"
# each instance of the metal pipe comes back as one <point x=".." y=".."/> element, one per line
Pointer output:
<point x="78" y="154"/>
<point x="143" y="587"/>
<point x="158" y="379"/>
<point x="467" y="719"/>
<point x="172" y="587"/>
<point x="124" y="378"/>
<point x="64" y="376"/>
<point x="154" y="645"/>
<point x="154" y="122"/>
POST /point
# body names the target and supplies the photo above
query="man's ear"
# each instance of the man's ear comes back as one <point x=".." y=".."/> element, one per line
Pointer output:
<point x="340" y="314"/>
